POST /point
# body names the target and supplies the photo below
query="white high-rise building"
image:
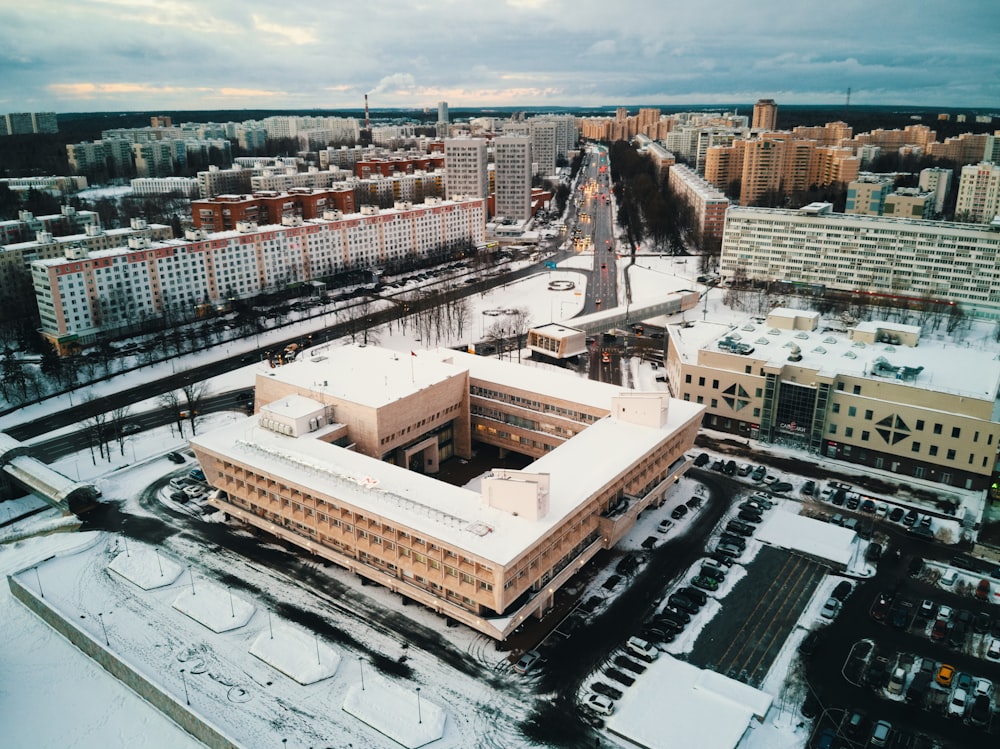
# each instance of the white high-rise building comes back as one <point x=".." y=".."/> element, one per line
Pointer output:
<point x="513" y="159"/>
<point x="465" y="163"/>
<point x="978" y="199"/>
<point x="938" y="181"/>
<point x="543" y="145"/>
<point x="442" y="111"/>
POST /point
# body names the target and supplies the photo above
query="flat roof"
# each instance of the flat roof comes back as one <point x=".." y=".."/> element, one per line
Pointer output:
<point x="817" y="538"/>
<point x="369" y="375"/>
<point x="456" y="515"/>
<point x="555" y="330"/>
<point x="969" y="370"/>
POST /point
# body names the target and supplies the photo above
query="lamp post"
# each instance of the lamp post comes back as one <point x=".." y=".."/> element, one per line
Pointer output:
<point x="361" y="666"/>
<point x="191" y="575"/>
<point x="269" y="628"/>
<point x="420" y="718"/>
<point x="316" y="637"/>
<point x="232" y="608"/>
<point x="158" y="562"/>
<point x="104" y="629"/>
<point x="184" y="682"/>
<point x="38" y="579"/>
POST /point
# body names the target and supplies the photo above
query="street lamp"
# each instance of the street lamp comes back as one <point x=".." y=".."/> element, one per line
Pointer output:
<point x="420" y="718"/>
<point x="361" y="666"/>
<point x="184" y="682"/>
<point x="104" y="629"/>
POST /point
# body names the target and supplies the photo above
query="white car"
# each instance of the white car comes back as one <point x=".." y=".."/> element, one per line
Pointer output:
<point x="527" y="661"/>
<point x="959" y="699"/>
<point x="643" y="649"/>
<point x="665" y="525"/>
<point x="982" y="687"/>
<point x="831" y="608"/>
<point x="194" y="491"/>
<point x="993" y="652"/>
<point x="600" y="704"/>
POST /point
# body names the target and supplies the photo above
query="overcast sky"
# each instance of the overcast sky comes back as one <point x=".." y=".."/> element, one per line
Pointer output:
<point x="99" y="55"/>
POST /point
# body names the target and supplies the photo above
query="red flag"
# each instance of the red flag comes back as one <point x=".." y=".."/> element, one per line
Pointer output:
<point x="412" y="353"/>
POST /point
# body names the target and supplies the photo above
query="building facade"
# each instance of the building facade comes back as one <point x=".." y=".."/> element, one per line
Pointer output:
<point x="896" y="260"/>
<point x="866" y="195"/>
<point x="870" y="395"/>
<point x="978" y="199"/>
<point x="937" y="181"/>
<point x="340" y="455"/>
<point x="708" y="204"/>
<point x="513" y="159"/>
<point x="84" y="295"/>
<point x="466" y="163"/>
<point x="765" y="115"/>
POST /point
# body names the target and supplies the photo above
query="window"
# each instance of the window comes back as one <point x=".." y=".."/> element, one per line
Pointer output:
<point x="840" y="386"/>
<point x="835" y="408"/>
<point x="715" y="384"/>
<point x="756" y="413"/>
<point x="914" y="447"/>
<point x="701" y="382"/>
<point x="758" y="393"/>
<point x="864" y="436"/>
<point x="857" y="390"/>
<point x="833" y="429"/>
<point x="955" y="432"/>
<point x="933" y="450"/>
<point x="868" y="414"/>
<point x="920" y="425"/>
<point x="852" y="411"/>
<point x="700" y="399"/>
<point x="950" y="455"/>
<point x="937" y="429"/>
<point x="715" y="403"/>
<point x="687" y="379"/>
<point x="849" y="432"/>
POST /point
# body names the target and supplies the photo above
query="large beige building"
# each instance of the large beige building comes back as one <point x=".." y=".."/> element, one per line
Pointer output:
<point x="340" y="455"/>
<point x="765" y="115"/>
<point x="898" y="261"/>
<point x="978" y="199"/>
<point x="879" y="395"/>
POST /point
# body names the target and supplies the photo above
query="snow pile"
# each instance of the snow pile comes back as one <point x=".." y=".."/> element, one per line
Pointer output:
<point x="296" y="654"/>
<point x="213" y="608"/>
<point x="145" y="568"/>
<point x="400" y="714"/>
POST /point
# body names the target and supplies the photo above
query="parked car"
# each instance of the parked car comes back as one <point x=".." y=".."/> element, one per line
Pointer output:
<point x="880" y="608"/>
<point x="729" y="550"/>
<point x="179" y="497"/>
<point x="694" y="503"/>
<point x="881" y="733"/>
<point x="175" y="457"/>
<point x="945" y="675"/>
<point x="759" y="473"/>
<point x="854" y="721"/>
<point x="528" y="661"/>
<point x="744" y="470"/>
<point x="642" y="648"/>
<point x="981" y="711"/>
<point x="993" y="651"/>
<point x="740" y="528"/>
<point x="827" y="739"/>
<point x="983" y="590"/>
<point x="830" y="608"/>
<point x="682" y="603"/>
<point x="910" y="518"/>
<point x="720" y="557"/>
<point x="981" y="623"/>
<point x="749" y="516"/>
<point x="809" y="488"/>
<point x="842" y="590"/>
<point x="679" y="512"/>
<point x="715" y="573"/>
<point x="982" y="687"/>
<point x="197" y="474"/>
<point x="672" y="618"/>
<point x="940" y="630"/>
<point x="959" y="701"/>
<point x="131" y="428"/>
<point x="868" y="506"/>
<point x="702" y="460"/>
<point x="781" y="487"/>
<point x="708" y="583"/>
<point x="665" y="525"/>
<point x="698" y="596"/>
<point x="897" y="681"/>
<point x="600" y="704"/>
<point x="810" y="643"/>
<point x="927" y="609"/>
<point x="179" y="483"/>
<point x="733" y="540"/>
<point x="896" y="514"/>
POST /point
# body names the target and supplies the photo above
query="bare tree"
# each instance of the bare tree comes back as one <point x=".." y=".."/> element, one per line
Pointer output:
<point x="116" y="424"/>
<point x="194" y="394"/>
<point x="171" y="403"/>
<point x="520" y="323"/>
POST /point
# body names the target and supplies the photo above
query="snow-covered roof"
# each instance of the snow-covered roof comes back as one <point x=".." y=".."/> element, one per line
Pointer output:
<point x="293" y="406"/>
<point x="969" y="370"/>
<point x="816" y="538"/>
<point x="453" y="514"/>
<point x="695" y="708"/>
<point x="368" y="375"/>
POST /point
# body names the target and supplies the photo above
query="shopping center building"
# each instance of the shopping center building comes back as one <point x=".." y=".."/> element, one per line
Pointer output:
<point x="880" y="394"/>
<point x="340" y="455"/>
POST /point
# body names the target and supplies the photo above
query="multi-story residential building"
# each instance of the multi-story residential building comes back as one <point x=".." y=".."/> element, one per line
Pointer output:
<point x="412" y="188"/>
<point x="765" y="115"/>
<point x="967" y="148"/>
<point x="28" y="123"/>
<point x="186" y="186"/>
<point x="918" y="136"/>
<point x="225" y="212"/>
<point x="661" y="157"/>
<point x="775" y="163"/>
<point x="16" y="291"/>
<point x="323" y="464"/>
<point x="909" y="202"/>
<point x="978" y="199"/>
<point x="708" y="204"/>
<point x="866" y="195"/>
<point x="27" y="225"/>
<point x="101" y="157"/>
<point x="894" y="260"/>
<point x="57" y="186"/>
<point x="85" y="295"/>
<point x="466" y="163"/>
<point x="215" y="181"/>
<point x="938" y="181"/>
<point x="289" y="177"/>
<point x="388" y="167"/>
<point x="513" y="159"/>
<point x="155" y="158"/>
<point x="830" y="134"/>
<point x="877" y="395"/>
<point x="543" y="145"/>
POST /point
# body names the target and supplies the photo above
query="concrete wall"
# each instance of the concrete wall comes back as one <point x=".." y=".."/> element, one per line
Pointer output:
<point x="149" y="691"/>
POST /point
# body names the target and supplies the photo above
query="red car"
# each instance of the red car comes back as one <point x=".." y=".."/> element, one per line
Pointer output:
<point x="940" y="630"/>
<point x="983" y="590"/>
<point x="880" y="609"/>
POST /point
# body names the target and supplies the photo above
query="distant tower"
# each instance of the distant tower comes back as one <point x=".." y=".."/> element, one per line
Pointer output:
<point x="442" y="111"/>
<point x="368" y="124"/>
<point x="765" y="115"/>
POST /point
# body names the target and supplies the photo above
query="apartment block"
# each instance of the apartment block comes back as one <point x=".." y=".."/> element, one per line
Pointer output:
<point x="765" y="115"/>
<point x="226" y="212"/>
<point x="893" y="260"/>
<point x="86" y="294"/>
<point x="28" y="123"/>
<point x="27" y="225"/>
<point x="708" y="204"/>
<point x="967" y="148"/>
<point x="513" y="159"/>
<point x="938" y="181"/>
<point x="341" y="454"/>
<point x="878" y="394"/>
<point x="978" y="199"/>
<point x="466" y="163"/>
<point x="830" y="134"/>
<point x="866" y="195"/>
<point x="909" y="202"/>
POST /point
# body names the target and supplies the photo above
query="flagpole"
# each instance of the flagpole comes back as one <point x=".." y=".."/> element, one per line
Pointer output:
<point x="412" y="357"/>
